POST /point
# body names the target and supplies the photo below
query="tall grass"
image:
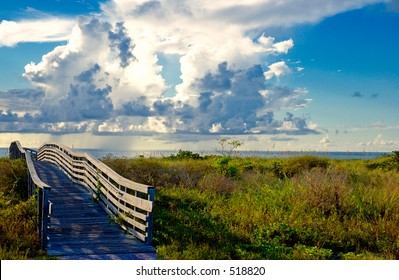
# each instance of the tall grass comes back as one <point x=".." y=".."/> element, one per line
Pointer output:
<point x="298" y="208"/>
<point x="18" y="214"/>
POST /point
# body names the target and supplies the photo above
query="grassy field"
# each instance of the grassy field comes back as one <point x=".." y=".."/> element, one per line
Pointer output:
<point x="252" y="208"/>
<point x="223" y="207"/>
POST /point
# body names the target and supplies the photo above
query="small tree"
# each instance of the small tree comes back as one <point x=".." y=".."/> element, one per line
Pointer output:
<point x="228" y="146"/>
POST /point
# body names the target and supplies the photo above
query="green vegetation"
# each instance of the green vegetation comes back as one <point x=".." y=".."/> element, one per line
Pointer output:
<point x="185" y="155"/>
<point x="18" y="218"/>
<point x="223" y="207"/>
<point x="386" y="163"/>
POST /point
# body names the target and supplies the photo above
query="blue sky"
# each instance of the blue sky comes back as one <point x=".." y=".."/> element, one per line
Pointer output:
<point x="147" y="75"/>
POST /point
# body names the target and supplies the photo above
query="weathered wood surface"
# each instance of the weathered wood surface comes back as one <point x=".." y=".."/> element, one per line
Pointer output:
<point x="79" y="227"/>
<point x="130" y="201"/>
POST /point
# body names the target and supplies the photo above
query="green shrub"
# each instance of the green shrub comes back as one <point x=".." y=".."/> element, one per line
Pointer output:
<point x="278" y="169"/>
<point x="13" y="178"/>
<point x="225" y="167"/>
<point x="295" y="165"/>
<point x="185" y="155"/>
<point x="302" y="252"/>
<point x="385" y="163"/>
<point x="18" y="230"/>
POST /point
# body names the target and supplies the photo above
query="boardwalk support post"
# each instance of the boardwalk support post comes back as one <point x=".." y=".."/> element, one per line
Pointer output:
<point x="150" y="217"/>
<point x="45" y="216"/>
<point x="43" y="210"/>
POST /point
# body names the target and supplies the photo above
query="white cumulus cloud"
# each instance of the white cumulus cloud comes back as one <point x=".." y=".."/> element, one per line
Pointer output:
<point x="277" y="69"/>
<point x="49" y="29"/>
<point x="379" y="141"/>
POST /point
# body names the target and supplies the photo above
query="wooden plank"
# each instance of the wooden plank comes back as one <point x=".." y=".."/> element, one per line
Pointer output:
<point x="91" y="235"/>
<point x="96" y="249"/>
<point x="123" y="256"/>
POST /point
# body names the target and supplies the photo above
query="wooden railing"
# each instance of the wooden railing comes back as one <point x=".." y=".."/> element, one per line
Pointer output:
<point x="35" y="185"/>
<point x="132" y="203"/>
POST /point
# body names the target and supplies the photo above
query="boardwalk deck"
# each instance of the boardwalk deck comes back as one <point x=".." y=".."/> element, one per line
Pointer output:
<point x="79" y="228"/>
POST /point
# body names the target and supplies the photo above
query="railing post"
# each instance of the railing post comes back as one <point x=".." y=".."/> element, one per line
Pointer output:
<point x="30" y="193"/>
<point x="150" y="218"/>
<point x="45" y="216"/>
<point x="43" y="209"/>
<point x="40" y="212"/>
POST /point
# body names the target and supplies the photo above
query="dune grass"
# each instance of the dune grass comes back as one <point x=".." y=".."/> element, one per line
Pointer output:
<point x="252" y="208"/>
<point x="18" y="215"/>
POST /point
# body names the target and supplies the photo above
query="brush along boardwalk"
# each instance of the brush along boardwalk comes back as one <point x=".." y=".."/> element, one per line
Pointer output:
<point x="84" y="194"/>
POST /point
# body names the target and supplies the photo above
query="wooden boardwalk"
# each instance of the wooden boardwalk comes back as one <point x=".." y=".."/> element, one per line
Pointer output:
<point x="79" y="228"/>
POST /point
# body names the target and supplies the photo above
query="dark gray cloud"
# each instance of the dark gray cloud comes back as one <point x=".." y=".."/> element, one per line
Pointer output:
<point x="8" y="116"/>
<point x="122" y="44"/>
<point x="136" y="107"/>
<point x="228" y="102"/>
<point x="21" y="126"/>
<point x="299" y="124"/>
<point x="205" y="99"/>
<point x="230" y="98"/>
<point x="83" y="101"/>
<point x="231" y="102"/>
<point x="357" y="94"/>
<point x="88" y="75"/>
<point x="21" y="99"/>
<point x="163" y="107"/>
<point x="220" y="81"/>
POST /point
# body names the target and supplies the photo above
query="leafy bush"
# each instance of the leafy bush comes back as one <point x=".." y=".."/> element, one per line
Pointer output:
<point x="278" y="169"/>
<point x="226" y="168"/>
<point x="185" y="155"/>
<point x="385" y="163"/>
<point x="302" y="252"/>
<point x="18" y="230"/>
<point x="13" y="179"/>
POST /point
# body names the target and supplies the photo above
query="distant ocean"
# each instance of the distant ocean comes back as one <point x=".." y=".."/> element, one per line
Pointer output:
<point x="99" y="153"/>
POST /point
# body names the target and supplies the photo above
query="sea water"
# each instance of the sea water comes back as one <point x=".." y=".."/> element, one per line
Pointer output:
<point x="100" y="153"/>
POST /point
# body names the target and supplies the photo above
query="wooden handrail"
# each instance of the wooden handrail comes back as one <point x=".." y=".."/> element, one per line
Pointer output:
<point x="16" y="151"/>
<point x="131" y="202"/>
